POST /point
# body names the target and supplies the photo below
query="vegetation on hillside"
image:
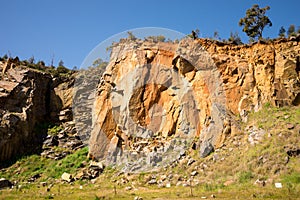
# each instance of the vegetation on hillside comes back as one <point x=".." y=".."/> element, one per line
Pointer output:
<point x="45" y="168"/>
<point x="238" y="169"/>
<point x="59" y="71"/>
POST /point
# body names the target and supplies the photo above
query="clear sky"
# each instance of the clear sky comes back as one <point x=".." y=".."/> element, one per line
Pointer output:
<point x="70" y="29"/>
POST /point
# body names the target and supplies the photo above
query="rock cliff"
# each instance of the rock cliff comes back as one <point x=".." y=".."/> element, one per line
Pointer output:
<point x="155" y="100"/>
<point x="28" y="99"/>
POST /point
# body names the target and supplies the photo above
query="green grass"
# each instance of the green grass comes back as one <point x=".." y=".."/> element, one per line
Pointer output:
<point x="242" y="165"/>
<point x="69" y="164"/>
<point x="104" y="189"/>
<point x="29" y="166"/>
<point x="269" y="116"/>
<point x="293" y="178"/>
<point x="54" y="129"/>
<point x="245" y="176"/>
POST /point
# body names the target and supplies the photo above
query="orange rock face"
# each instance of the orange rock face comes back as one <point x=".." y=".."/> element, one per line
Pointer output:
<point x="188" y="90"/>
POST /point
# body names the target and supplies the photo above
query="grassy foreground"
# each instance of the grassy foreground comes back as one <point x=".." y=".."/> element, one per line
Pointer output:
<point x="228" y="173"/>
<point x="104" y="190"/>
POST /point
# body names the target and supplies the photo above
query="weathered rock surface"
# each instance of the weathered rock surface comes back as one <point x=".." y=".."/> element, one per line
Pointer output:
<point x="67" y="139"/>
<point x="28" y="98"/>
<point x="153" y="101"/>
<point x="84" y="95"/>
<point x="205" y="149"/>
<point x="187" y="90"/>
<point x="24" y="104"/>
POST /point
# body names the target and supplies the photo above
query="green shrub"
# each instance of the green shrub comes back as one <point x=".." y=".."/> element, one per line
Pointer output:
<point x="245" y="176"/>
<point x="54" y="130"/>
<point x="267" y="105"/>
<point x="62" y="70"/>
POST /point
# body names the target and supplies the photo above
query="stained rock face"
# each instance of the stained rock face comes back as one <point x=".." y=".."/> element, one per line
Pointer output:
<point x="163" y="95"/>
<point x="154" y="92"/>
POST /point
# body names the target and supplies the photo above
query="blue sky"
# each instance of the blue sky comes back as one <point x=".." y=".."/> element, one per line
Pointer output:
<point x="69" y="30"/>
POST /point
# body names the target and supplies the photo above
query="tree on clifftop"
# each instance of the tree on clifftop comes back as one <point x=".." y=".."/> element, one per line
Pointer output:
<point x="291" y="31"/>
<point x="130" y="35"/>
<point x="282" y="32"/>
<point x="61" y="63"/>
<point x="255" y="21"/>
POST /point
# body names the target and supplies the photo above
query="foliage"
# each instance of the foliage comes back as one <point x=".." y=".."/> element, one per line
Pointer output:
<point x="62" y="70"/>
<point x="194" y="34"/>
<point x="255" y="21"/>
<point x="99" y="63"/>
<point x="41" y="63"/>
<point x="176" y="41"/>
<point x="5" y="56"/>
<point x="131" y="36"/>
<point x="54" y="130"/>
<point x="61" y="63"/>
<point x="282" y="32"/>
<point x="235" y="38"/>
<point x="291" y="31"/>
<point x="158" y="38"/>
<point x="216" y="35"/>
<point x="113" y="44"/>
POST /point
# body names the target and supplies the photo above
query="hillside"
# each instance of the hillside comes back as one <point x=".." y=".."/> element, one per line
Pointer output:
<point x="188" y="119"/>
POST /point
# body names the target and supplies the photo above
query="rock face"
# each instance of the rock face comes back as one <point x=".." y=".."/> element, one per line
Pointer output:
<point x="256" y="74"/>
<point x="83" y="99"/>
<point x="154" y="92"/>
<point x="152" y="102"/>
<point x="28" y="98"/>
<point x="24" y="104"/>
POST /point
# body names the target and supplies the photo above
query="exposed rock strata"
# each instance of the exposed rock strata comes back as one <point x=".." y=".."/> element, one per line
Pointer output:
<point x="28" y="98"/>
<point x="154" y="101"/>
<point x="187" y="90"/>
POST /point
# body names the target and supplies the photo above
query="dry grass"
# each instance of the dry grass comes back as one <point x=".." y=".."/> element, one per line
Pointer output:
<point x="237" y="163"/>
<point x="105" y="190"/>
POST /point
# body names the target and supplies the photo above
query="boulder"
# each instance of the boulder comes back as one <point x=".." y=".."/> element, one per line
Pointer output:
<point x="205" y="149"/>
<point x="4" y="183"/>
<point x="67" y="177"/>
